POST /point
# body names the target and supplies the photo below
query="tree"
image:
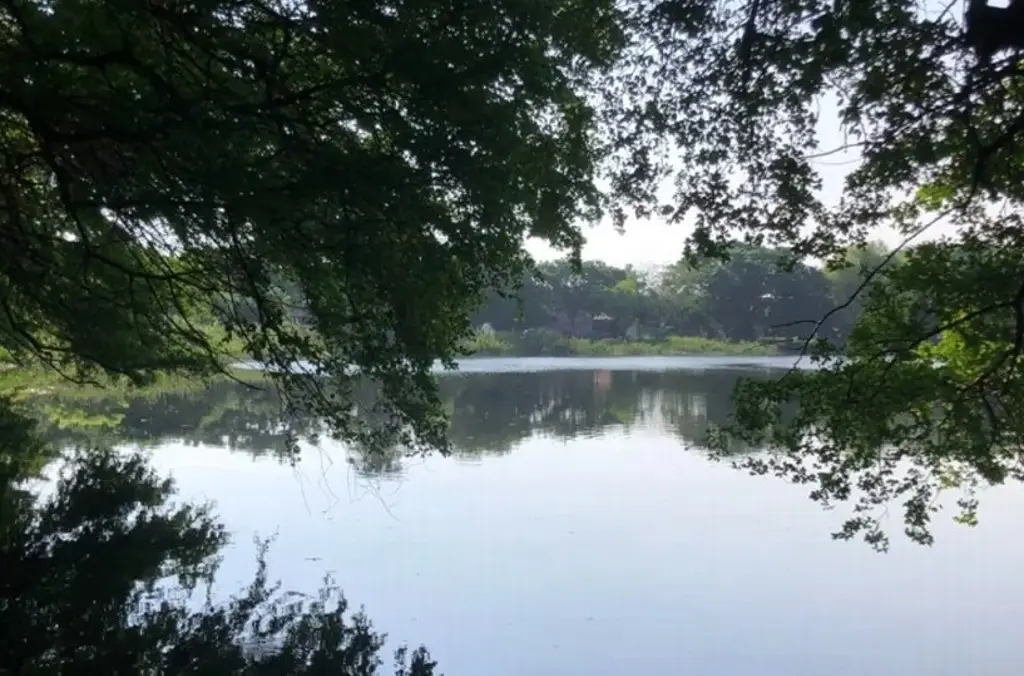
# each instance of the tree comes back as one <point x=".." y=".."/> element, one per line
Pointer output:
<point x="386" y="160"/>
<point x="849" y="278"/>
<point x="683" y="291"/>
<point x="736" y="92"/>
<point x="758" y="293"/>
<point x="583" y="288"/>
<point x="753" y="295"/>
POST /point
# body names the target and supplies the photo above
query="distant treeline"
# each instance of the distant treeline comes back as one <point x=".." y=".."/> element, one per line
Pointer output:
<point x="756" y="301"/>
<point x="756" y="295"/>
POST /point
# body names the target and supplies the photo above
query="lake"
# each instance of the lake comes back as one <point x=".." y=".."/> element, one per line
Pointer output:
<point x="580" y="529"/>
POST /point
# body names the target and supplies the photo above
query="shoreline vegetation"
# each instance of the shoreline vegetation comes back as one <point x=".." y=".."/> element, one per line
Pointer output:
<point x="543" y="343"/>
<point x="533" y="344"/>
<point x="31" y="380"/>
<point x="551" y="344"/>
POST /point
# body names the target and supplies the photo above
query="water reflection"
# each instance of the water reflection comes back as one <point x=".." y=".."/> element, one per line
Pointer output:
<point x="101" y="566"/>
<point x="490" y="413"/>
<point x="594" y="547"/>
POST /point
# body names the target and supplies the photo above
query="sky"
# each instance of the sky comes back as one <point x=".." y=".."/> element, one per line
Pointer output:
<point x="655" y="243"/>
<point x="642" y="244"/>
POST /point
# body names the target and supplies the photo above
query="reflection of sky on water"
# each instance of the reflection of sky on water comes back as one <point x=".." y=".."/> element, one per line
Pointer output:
<point x="578" y="532"/>
<point x="620" y="553"/>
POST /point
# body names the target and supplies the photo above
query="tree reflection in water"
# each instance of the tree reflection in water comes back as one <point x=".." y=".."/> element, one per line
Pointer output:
<point x="99" y="565"/>
<point x="490" y="413"/>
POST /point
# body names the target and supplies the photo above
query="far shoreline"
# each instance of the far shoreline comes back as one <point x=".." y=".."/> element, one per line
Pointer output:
<point x="545" y="344"/>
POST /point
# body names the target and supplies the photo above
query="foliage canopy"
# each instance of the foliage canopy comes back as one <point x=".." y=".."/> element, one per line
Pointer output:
<point x="923" y="399"/>
<point x="388" y="159"/>
<point x="745" y="298"/>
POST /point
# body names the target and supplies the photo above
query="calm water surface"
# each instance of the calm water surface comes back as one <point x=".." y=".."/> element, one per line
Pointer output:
<point x="581" y="530"/>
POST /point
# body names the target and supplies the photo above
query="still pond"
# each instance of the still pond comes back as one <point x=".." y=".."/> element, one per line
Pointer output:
<point x="580" y="529"/>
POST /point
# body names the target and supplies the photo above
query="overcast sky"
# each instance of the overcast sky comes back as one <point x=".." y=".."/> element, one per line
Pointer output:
<point x="642" y="244"/>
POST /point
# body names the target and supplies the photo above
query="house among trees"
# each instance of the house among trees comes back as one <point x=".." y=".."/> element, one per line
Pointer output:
<point x="585" y="325"/>
<point x="603" y="326"/>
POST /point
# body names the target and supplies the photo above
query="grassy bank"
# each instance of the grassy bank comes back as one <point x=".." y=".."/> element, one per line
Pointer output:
<point x="228" y="349"/>
<point x="31" y="378"/>
<point x="19" y="383"/>
<point x="35" y="380"/>
<point x="552" y="345"/>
